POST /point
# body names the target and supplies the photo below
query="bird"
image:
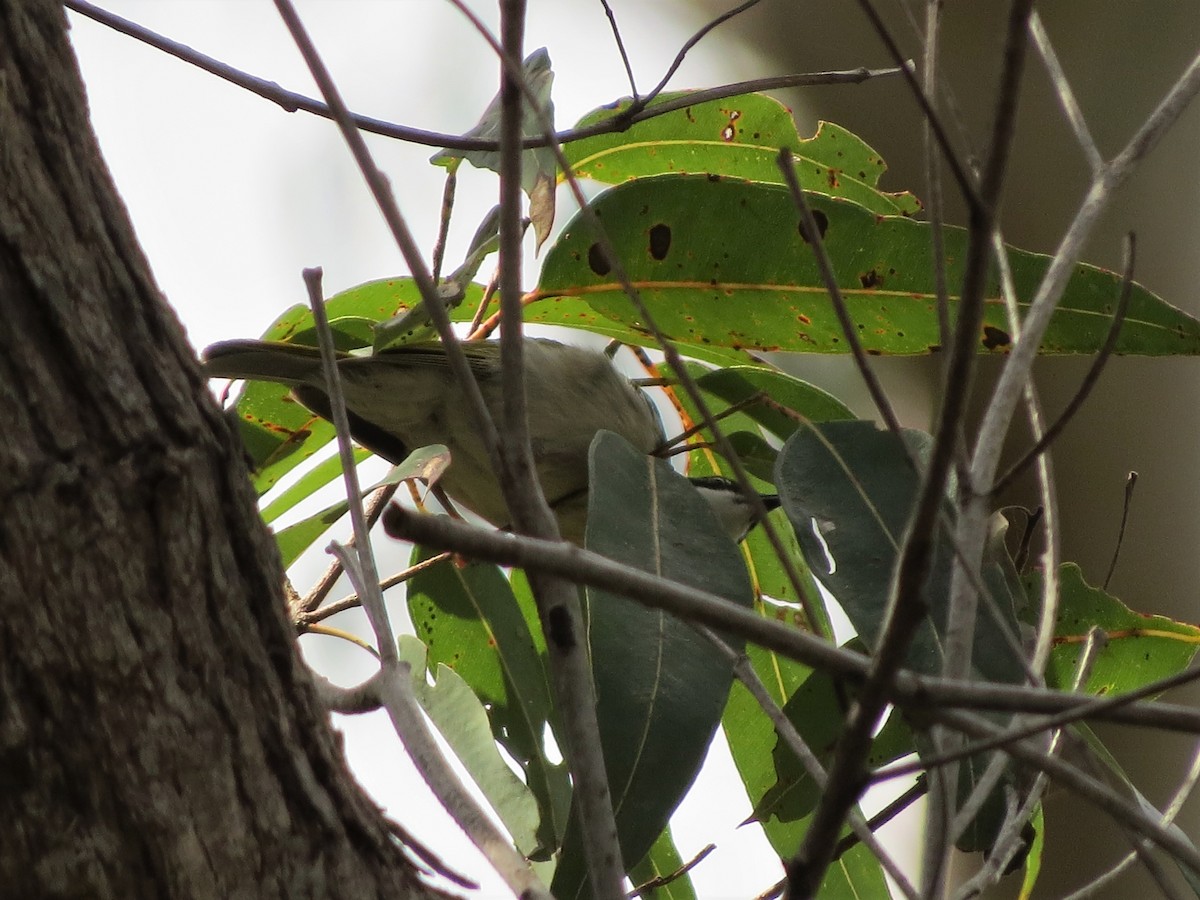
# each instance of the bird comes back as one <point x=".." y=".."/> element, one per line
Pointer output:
<point x="406" y="397"/>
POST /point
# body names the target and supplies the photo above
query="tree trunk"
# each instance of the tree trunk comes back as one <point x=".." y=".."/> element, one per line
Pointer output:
<point x="158" y="733"/>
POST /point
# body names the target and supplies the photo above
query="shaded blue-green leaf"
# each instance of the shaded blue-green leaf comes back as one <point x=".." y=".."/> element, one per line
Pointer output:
<point x="470" y="620"/>
<point x="725" y="264"/>
<point x="463" y="722"/>
<point x="660" y="686"/>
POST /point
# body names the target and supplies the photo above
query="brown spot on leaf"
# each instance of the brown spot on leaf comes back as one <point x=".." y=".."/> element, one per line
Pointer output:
<point x="871" y="279"/>
<point x="994" y="338"/>
<point x="660" y="241"/>
<point x="822" y="221"/>
<point x="597" y="261"/>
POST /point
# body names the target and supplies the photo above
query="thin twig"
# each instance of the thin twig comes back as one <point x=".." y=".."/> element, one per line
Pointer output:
<point x="1130" y="484"/>
<point x="439" y="247"/>
<point x="1123" y="811"/>
<point x="692" y="42"/>
<point x="1185" y="789"/>
<point x="744" y="672"/>
<point x="392" y="681"/>
<point x="293" y="102"/>
<point x="353" y="601"/>
<point x="812" y="236"/>
<point x="1062" y="90"/>
<point x="616" y="32"/>
<point x="557" y="599"/>
<point x="301" y="609"/>
<point x="663" y="880"/>
<point x="1089" y="380"/>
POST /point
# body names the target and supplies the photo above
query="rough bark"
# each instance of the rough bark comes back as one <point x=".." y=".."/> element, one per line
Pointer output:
<point x="159" y="735"/>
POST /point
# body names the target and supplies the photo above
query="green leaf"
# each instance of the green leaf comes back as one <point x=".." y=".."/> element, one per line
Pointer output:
<point x="722" y="263"/>
<point x="660" y="686"/>
<point x="1033" y="859"/>
<point x="463" y="722"/>
<point x="471" y="622"/>
<point x="426" y="463"/>
<point x="663" y="860"/>
<point x="739" y="137"/>
<point x="818" y="709"/>
<point x="307" y="485"/>
<point x="1140" y="648"/>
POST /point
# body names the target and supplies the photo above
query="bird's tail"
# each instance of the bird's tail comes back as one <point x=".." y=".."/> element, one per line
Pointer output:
<point x="290" y="364"/>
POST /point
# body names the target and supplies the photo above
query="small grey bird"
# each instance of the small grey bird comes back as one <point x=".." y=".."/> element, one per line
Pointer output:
<point x="407" y="397"/>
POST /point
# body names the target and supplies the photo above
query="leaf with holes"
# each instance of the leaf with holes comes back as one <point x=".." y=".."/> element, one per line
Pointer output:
<point x="1138" y="649"/>
<point x="737" y="137"/>
<point x="724" y="264"/>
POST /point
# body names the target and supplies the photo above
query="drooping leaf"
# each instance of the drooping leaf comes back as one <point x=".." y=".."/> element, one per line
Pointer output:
<point x="463" y="722"/>
<point x="739" y="137"/>
<point x="537" y="166"/>
<point x="1139" y="649"/>
<point x="469" y="618"/>
<point x="723" y="263"/>
<point x="660" y="686"/>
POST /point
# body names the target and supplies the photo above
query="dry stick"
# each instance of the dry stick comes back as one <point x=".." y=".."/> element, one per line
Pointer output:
<point x="1062" y="90"/>
<point x="1052" y="555"/>
<point x="439" y="247"/>
<point x="292" y="101"/>
<point x="1019" y="362"/>
<point x="354" y="601"/>
<point x="301" y="610"/>
<point x="1130" y="484"/>
<point x="792" y="739"/>
<point x="697" y="606"/>
<point x="557" y="599"/>
<point x="392" y="682"/>
<point x="672" y="355"/>
<point x="812" y="236"/>
<point x="907" y="605"/>
<point x="616" y="32"/>
<point x="966" y="183"/>
<point x="692" y="42"/>
<point x="941" y="789"/>
<point x="1185" y="789"/>
<point x="1126" y="813"/>
<point x="1089" y="380"/>
<point x="663" y="880"/>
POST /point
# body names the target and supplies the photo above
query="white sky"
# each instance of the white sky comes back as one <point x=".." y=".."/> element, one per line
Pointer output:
<point x="231" y="197"/>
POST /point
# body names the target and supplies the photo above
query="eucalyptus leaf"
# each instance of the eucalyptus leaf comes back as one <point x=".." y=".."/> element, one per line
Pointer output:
<point x="720" y="262"/>
<point x="660" y="686"/>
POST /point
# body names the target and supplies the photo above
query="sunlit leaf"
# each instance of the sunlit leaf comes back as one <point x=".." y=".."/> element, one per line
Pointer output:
<point x="1139" y="648"/>
<point x="723" y="263"/>
<point x="739" y="137"/>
